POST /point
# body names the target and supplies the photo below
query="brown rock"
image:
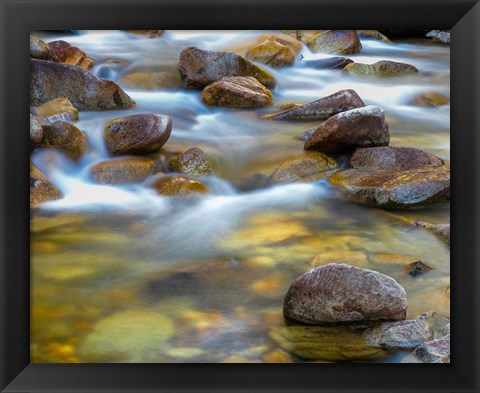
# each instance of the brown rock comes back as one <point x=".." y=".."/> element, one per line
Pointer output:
<point x="178" y="186"/>
<point x="398" y="158"/>
<point x="435" y="351"/>
<point x="39" y="49"/>
<point x="312" y="167"/>
<point x="383" y="68"/>
<point x="399" y="335"/>
<point x="346" y="131"/>
<point x="50" y="80"/>
<point x="237" y="92"/>
<point x="65" y="137"/>
<point x="374" y="35"/>
<point x="137" y="134"/>
<point x="275" y="52"/>
<point x="63" y="52"/>
<point x="41" y="189"/>
<point x="198" y="68"/>
<point x="342" y="42"/>
<point x="57" y="109"/>
<point x="323" y="108"/>
<point x="122" y="170"/>
<point x="36" y="132"/>
<point x="442" y="231"/>
<point x="430" y="99"/>
<point x="339" y="293"/>
<point x="192" y="162"/>
<point x="148" y="33"/>
<point x="151" y="81"/>
<point x="332" y="63"/>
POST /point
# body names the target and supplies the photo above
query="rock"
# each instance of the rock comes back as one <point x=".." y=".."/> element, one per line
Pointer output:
<point x="430" y="99"/>
<point x="65" y="137"/>
<point x="342" y="42"/>
<point x="439" y="36"/>
<point x="134" y="336"/>
<point x="332" y="63"/>
<point x="337" y="343"/>
<point x="57" y="109"/>
<point x="148" y="33"/>
<point x="314" y="166"/>
<point x="383" y="68"/>
<point x="399" y="335"/>
<point x="323" y="108"/>
<point x="275" y="52"/>
<point x="418" y="267"/>
<point x="435" y="351"/>
<point x="446" y="329"/>
<point x="50" y="80"/>
<point x="289" y="105"/>
<point x="192" y="162"/>
<point x="122" y="170"/>
<point x="306" y="135"/>
<point x="338" y="293"/>
<point x="237" y="92"/>
<point x="399" y="158"/>
<point x="41" y="189"/>
<point x="374" y="35"/>
<point x="63" y="52"/>
<point x="198" y="68"/>
<point x="394" y="178"/>
<point x="442" y="231"/>
<point x="151" y="81"/>
<point x="178" y="186"/>
<point x="39" y="49"/>
<point x="36" y="132"/>
<point x="137" y="134"/>
<point x="346" y="131"/>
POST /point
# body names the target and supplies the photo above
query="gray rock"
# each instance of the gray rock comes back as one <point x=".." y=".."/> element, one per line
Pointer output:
<point x="39" y="49"/>
<point x="337" y="293"/>
<point x="435" y="351"/>
<point x="442" y="231"/>
<point x="36" y="132"/>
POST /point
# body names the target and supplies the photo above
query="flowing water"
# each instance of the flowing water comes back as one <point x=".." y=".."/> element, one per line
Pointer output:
<point x="121" y="274"/>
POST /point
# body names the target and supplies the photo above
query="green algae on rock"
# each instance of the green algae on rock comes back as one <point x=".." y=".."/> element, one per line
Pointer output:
<point x="383" y="68"/>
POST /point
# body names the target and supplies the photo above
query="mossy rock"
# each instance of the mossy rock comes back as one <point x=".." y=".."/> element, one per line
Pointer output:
<point x="178" y="186"/>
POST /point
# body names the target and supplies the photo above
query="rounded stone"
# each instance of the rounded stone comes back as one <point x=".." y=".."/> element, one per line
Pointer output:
<point x="178" y="186"/>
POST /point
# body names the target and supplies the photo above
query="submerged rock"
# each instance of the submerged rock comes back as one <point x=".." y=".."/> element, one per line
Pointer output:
<point x="332" y="63"/>
<point x="418" y="267"/>
<point x="50" y="80"/>
<point x="314" y="166"/>
<point x="435" y="351"/>
<point x="65" y="137"/>
<point x="323" y="108"/>
<point x="430" y="99"/>
<point x="383" y="68"/>
<point x="122" y="170"/>
<point x="237" y="92"/>
<point x="339" y="293"/>
<point x="198" y="68"/>
<point x="36" y="132"/>
<point x="442" y="231"/>
<point x="57" y="109"/>
<point x="275" y="52"/>
<point x="41" y="189"/>
<point x="346" y="131"/>
<point x="39" y="49"/>
<point x="137" y="134"/>
<point x="394" y="178"/>
<point x="342" y="42"/>
<point x="63" y="52"/>
<point x="192" y="162"/>
<point x="178" y="186"/>
<point x="151" y="80"/>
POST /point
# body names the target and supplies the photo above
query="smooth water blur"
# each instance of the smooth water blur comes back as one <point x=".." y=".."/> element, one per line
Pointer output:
<point x="121" y="274"/>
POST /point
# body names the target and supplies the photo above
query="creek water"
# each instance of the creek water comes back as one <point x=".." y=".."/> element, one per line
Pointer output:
<point x="121" y="274"/>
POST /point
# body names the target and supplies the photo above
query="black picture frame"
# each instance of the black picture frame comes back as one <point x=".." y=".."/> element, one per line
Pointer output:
<point x="18" y="17"/>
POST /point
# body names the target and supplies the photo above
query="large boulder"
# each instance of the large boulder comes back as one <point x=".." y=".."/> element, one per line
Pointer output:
<point x="323" y="108"/>
<point x="435" y="351"/>
<point x="39" y="49"/>
<point x="192" y="162"/>
<point x="63" y="52"/>
<point x="36" y="132"/>
<point x="178" y="186"/>
<point x="137" y="134"/>
<point x="198" y="68"/>
<point x="57" y="109"/>
<point x="342" y="42"/>
<point x="65" y="137"/>
<point x="312" y="167"/>
<point x="237" y="92"/>
<point x="276" y="52"/>
<point x="50" y="80"/>
<point x="340" y="293"/>
<point x="383" y="68"/>
<point x="122" y="170"/>
<point x="41" y="189"/>
<point x="394" y="178"/>
<point x="346" y="131"/>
